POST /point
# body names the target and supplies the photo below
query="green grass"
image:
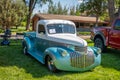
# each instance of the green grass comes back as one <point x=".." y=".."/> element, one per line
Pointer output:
<point x="19" y="29"/>
<point x="90" y="43"/>
<point x="83" y="33"/>
<point x="14" y="30"/>
<point x="16" y="66"/>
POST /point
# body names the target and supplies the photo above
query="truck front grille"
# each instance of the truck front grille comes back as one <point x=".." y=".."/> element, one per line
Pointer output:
<point x="81" y="49"/>
<point x="80" y="60"/>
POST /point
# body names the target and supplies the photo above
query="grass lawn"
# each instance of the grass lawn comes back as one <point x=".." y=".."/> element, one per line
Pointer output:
<point x="14" y="30"/>
<point x="16" y="66"/>
<point x="83" y="33"/>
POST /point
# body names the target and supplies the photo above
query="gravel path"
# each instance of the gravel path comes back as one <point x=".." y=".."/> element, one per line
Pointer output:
<point x="85" y="36"/>
<point x="21" y="36"/>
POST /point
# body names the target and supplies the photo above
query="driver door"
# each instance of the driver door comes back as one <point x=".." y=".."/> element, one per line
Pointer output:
<point x="41" y="41"/>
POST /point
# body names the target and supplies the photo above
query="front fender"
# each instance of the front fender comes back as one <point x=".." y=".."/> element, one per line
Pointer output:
<point x="58" y="59"/>
<point x="54" y="53"/>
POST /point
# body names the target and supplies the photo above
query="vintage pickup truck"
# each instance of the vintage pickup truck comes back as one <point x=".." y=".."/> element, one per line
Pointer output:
<point x="55" y="44"/>
<point x="107" y="36"/>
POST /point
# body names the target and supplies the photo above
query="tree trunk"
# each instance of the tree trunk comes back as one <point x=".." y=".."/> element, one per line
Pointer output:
<point x="111" y="9"/>
<point x="96" y="24"/>
<point x="119" y="11"/>
<point x="31" y="7"/>
<point x="28" y="21"/>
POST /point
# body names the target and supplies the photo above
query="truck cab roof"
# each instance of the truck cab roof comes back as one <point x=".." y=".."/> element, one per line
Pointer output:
<point x="55" y="21"/>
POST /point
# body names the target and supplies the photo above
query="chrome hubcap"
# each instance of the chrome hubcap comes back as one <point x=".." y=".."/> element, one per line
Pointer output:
<point x="50" y="63"/>
<point x="98" y="43"/>
<point x="24" y="50"/>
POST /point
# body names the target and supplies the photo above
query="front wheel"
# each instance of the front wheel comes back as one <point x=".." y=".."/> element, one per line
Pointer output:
<point x="100" y="44"/>
<point x="51" y="65"/>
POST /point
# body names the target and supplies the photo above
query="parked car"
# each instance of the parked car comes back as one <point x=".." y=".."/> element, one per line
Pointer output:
<point x="107" y="36"/>
<point x="56" y="44"/>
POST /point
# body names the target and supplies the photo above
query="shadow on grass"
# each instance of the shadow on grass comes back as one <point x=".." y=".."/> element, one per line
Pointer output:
<point x="111" y="59"/>
<point x="13" y="56"/>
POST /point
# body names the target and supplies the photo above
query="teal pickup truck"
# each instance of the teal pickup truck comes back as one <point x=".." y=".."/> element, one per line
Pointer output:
<point x="56" y="44"/>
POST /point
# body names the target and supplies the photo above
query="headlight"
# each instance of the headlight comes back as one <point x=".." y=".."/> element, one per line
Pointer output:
<point x="63" y="52"/>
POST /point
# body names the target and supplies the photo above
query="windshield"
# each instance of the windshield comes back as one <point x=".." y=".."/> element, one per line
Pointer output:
<point x="60" y="28"/>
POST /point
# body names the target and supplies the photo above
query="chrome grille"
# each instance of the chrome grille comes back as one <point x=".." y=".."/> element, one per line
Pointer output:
<point x="80" y="60"/>
<point x="81" y="49"/>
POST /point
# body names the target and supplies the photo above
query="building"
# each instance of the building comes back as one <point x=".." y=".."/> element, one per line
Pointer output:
<point x="80" y="21"/>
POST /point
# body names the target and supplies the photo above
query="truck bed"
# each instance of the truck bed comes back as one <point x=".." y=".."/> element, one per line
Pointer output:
<point x="30" y="34"/>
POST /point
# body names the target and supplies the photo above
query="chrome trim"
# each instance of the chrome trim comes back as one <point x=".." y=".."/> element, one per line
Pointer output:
<point x="80" y="60"/>
<point x="81" y="49"/>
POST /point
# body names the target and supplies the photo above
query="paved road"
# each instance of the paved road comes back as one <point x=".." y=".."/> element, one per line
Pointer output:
<point x="85" y="36"/>
<point x="14" y="37"/>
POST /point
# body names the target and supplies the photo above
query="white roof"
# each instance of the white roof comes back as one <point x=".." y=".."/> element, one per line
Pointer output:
<point x="55" y="21"/>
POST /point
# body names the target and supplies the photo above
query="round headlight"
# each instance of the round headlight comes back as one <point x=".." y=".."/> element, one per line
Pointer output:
<point x="62" y="52"/>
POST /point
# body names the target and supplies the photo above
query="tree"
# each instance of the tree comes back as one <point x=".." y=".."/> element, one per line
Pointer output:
<point x="75" y="10"/>
<point x="31" y="6"/>
<point x="72" y="10"/>
<point x="57" y="9"/>
<point x="94" y="7"/>
<point x="77" y="13"/>
<point x="111" y="10"/>
<point x="11" y="13"/>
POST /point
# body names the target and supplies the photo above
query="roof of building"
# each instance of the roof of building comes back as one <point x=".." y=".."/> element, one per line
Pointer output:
<point x="67" y="17"/>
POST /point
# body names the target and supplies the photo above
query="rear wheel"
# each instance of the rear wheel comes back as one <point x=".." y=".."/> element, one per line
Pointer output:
<point x="100" y="44"/>
<point x="50" y="64"/>
<point x="25" y="50"/>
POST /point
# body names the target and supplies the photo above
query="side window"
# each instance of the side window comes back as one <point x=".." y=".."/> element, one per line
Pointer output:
<point x="41" y="29"/>
<point x="117" y="24"/>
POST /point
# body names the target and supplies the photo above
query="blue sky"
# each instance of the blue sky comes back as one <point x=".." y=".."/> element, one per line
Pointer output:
<point x="68" y="3"/>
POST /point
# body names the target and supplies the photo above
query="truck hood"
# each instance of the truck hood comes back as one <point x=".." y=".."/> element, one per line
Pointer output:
<point x="68" y="39"/>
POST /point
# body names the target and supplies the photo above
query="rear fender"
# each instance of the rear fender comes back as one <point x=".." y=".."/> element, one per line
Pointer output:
<point x="26" y="41"/>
